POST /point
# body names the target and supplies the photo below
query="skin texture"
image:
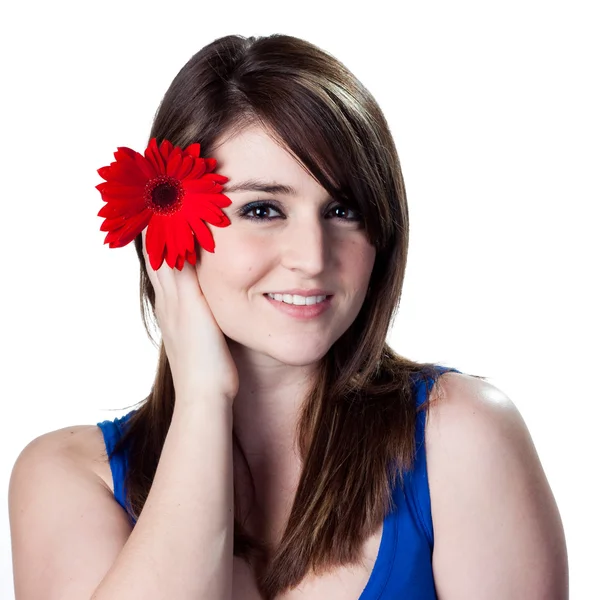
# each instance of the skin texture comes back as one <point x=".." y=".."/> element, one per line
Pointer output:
<point x="498" y="531"/>
<point x="303" y="245"/>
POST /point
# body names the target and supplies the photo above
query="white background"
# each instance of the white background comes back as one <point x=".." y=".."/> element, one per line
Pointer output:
<point x="494" y="108"/>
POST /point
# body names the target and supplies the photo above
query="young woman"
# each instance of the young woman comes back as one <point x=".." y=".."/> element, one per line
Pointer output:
<point x="285" y="450"/>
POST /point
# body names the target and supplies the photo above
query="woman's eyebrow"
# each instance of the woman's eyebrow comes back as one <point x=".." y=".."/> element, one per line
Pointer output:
<point x="256" y="185"/>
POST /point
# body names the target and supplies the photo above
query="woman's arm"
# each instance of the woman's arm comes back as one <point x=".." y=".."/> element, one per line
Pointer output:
<point x="70" y="537"/>
<point x="498" y="534"/>
<point x="182" y="544"/>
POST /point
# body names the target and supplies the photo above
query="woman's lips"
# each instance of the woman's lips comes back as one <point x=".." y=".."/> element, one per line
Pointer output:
<point x="301" y="312"/>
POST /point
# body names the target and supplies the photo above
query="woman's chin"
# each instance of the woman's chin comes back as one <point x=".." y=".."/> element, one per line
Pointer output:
<point x="291" y="354"/>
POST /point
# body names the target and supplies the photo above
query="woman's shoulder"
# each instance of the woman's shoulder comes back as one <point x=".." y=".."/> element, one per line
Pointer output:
<point x="468" y="414"/>
<point x="81" y="446"/>
<point x="490" y="500"/>
<point x="460" y="393"/>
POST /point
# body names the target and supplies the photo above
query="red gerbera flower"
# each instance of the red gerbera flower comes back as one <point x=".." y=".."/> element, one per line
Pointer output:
<point x="169" y="190"/>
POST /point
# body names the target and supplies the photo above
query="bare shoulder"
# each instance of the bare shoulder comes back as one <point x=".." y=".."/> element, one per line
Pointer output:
<point x="80" y="445"/>
<point x="87" y="445"/>
<point x="66" y="527"/>
<point x="459" y="393"/>
<point x="491" y="503"/>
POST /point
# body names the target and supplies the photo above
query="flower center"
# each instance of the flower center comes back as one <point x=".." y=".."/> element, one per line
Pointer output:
<point x="164" y="195"/>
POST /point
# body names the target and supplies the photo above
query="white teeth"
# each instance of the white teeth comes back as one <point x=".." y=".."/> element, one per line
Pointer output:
<point x="297" y="300"/>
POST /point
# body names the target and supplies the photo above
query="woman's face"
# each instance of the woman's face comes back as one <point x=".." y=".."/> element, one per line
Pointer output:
<point x="303" y="241"/>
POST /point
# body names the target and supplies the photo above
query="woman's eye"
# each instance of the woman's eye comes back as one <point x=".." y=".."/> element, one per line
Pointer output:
<point x="340" y="209"/>
<point x="254" y="209"/>
<point x="259" y="211"/>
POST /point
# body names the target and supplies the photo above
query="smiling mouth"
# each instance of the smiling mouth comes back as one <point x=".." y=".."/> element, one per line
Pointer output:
<point x="298" y="300"/>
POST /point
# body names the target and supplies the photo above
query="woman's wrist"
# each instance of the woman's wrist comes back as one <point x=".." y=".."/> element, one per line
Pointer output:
<point x="194" y="399"/>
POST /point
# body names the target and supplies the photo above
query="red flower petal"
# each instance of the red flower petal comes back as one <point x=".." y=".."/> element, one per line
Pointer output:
<point x="145" y="167"/>
<point x="224" y="222"/>
<point x="174" y="162"/>
<point x="188" y="241"/>
<point x="123" y="173"/>
<point x="203" y="234"/>
<point x="152" y="154"/>
<point x="216" y="199"/>
<point x="216" y="177"/>
<point x="123" y="153"/>
<point x="122" y="208"/>
<point x="156" y="241"/>
<point x="165" y="149"/>
<point x="112" y="225"/>
<point x="206" y="211"/>
<point x="104" y="173"/>
<point x="184" y="236"/>
<point x="198" y="170"/>
<point x="130" y="228"/>
<point x="197" y="186"/>
<point x="130" y="157"/>
<point x="179" y="241"/>
<point x="125" y="170"/>
<point x="113" y="190"/>
<point x="133" y="160"/>
<point x="191" y="256"/>
<point x="187" y="164"/>
<point x="193" y="150"/>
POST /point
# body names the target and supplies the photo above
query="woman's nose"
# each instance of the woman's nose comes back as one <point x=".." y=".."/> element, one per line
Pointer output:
<point x="304" y="247"/>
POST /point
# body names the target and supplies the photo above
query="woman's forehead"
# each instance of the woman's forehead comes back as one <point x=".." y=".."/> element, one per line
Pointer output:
<point x="254" y="161"/>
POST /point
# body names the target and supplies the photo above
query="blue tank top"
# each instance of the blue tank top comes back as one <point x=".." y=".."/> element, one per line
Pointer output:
<point x="402" y="568"/>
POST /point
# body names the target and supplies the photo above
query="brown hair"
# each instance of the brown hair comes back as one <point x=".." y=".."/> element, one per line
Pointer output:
<point x="361" y="412"/>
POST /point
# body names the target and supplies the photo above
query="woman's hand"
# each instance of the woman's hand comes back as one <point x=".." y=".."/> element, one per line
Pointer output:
<point x="200" y="360"/>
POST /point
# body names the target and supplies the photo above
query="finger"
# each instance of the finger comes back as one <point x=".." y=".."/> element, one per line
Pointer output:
<point x="149" y="270"/>
<point x="165" y="284"/>
<point x="188" y="286"/>
<point x="186" y="280"/>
